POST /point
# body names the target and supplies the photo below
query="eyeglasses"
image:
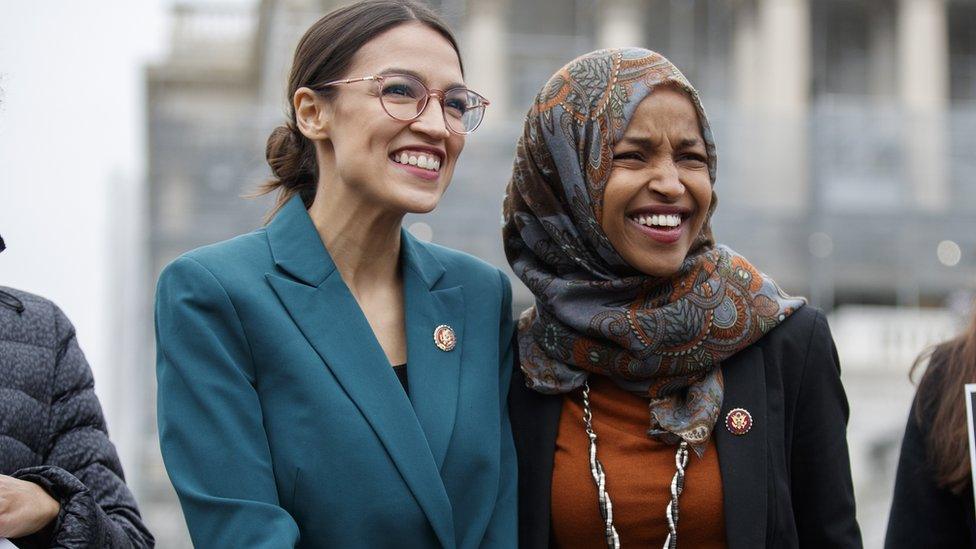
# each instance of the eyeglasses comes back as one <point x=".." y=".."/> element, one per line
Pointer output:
<point x="404" y="98"/>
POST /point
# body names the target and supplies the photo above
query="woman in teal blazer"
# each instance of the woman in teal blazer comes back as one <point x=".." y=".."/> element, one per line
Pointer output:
<point x="282" y="422"/>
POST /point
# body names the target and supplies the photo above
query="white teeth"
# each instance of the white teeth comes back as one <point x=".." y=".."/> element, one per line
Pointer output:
<point x="670" y="220"/>
<point x="418" y="159"/>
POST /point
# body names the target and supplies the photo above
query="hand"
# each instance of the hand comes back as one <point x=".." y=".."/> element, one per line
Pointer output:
<point x="25" y="508"/>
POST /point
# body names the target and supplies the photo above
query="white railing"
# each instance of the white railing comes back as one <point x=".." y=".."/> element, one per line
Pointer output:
<point x="874" y="339"/>
<point x="208" y="29"/>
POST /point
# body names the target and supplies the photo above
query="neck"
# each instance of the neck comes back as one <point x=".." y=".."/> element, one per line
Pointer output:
<point x="363" y="240"/>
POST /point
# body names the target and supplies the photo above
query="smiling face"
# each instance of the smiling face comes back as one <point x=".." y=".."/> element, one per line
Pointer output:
<point x="659" y="192"/>
<point x="401" y="167"/>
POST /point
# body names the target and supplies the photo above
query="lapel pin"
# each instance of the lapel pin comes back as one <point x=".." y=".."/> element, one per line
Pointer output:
<point x="738" y="421"/>
<point x="444" y="338"/>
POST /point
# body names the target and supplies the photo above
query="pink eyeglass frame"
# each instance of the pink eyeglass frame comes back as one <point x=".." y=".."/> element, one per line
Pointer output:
<point x="431" y="92"/>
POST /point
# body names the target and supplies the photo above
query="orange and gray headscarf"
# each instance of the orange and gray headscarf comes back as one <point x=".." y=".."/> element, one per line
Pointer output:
<point x="660" y="338"/>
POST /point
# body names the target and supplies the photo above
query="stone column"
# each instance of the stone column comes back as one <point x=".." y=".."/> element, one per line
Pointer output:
<point x="745" y="56"/>
<point x="883" y="51"/>
<point x="784" y="34"/>
<point x="923" y="51"/>
<point x="620" y="24"/>
<point x="781" y="88"/>
<point x="486" y="55"/>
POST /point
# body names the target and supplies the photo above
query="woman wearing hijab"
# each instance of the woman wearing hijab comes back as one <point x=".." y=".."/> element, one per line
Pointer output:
<point x="668" y="390"/>
<point x="933" y="500"/>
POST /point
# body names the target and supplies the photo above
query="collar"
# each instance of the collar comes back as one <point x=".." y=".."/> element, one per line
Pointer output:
<point x="298" y="250"/>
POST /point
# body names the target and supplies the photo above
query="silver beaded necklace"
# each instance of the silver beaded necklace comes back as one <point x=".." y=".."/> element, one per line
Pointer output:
<point x="600" y="478"/>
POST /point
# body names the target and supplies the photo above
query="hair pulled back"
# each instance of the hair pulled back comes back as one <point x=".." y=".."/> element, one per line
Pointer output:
<point x="324" y="54"/>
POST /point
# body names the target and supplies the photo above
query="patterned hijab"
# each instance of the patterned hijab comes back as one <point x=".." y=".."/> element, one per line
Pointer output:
<point x="660" y="338"/>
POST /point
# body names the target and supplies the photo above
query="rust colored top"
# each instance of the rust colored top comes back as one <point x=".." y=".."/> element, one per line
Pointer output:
<point x="639" y="472"/>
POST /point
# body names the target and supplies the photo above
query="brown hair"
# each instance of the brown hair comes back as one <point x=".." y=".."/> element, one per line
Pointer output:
<point x="940" y="406"/>
<point x="323" y="54"/>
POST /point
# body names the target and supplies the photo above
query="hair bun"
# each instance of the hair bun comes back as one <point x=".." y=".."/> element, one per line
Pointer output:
<point x="284" y="152"/>
<point x="291" y="157"/>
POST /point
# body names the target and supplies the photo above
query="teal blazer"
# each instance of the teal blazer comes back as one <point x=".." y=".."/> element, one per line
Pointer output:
<point x="282" y="423"/>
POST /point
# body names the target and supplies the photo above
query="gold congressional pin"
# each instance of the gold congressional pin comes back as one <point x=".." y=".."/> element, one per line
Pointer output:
<point x="444" y="337"/>
<point x="738" y="421"/>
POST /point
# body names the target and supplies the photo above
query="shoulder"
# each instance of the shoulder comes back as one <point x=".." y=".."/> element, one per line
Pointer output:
<point x="464" y="268"/>
<point x="41" y="324"/>
<point x="33" y="303"/>
<point x="459" y="263"/>
<point x="806" y="323"/>
<point x="801" y="351"/>
<point x="804" y="330"/>
<point x="225" y="261"/>
<point x="241" y="252"/>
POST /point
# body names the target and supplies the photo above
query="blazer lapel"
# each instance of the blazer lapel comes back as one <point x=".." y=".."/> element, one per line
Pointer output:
<point x="535" y="427"/>
<point x="330" y="319"/>
<point x="433" y="374"/>
<point x="742" y="458"/>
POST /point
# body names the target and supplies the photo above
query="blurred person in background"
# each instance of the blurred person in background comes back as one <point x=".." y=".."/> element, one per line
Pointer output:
<point x="658" y="367"/>
<point x="61" y="483"/>
<point x="329" y="380"/>
<point x="933" y="501"/>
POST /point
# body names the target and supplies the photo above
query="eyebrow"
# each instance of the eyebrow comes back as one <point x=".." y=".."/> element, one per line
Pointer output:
<point x="417" y="75"/>
<point x="648" y="143"/>
<point x="641" y="142"/>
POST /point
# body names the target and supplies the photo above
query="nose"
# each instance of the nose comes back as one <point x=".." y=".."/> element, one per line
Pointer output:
<point x="665" y="180"/>
<point x="431" y="121"/>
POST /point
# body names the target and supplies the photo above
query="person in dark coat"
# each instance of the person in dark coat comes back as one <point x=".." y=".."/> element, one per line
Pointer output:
<point x="668" y="392"/>
<point x="933" y="505"/>
<point x="61" y="483"/>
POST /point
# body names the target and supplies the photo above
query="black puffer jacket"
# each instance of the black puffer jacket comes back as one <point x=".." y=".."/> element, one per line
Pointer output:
<point x="52" y="431"/>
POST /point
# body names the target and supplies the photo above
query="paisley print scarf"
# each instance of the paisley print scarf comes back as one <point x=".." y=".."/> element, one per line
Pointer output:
<point x="660" y="338"/>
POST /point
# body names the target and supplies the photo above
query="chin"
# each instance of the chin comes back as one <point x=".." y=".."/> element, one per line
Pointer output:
<point x="424" y="209"/>
<point x="420" y="204"/>
<point x="661" y="268"/>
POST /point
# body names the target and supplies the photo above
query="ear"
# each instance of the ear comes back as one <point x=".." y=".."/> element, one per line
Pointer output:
<point x="312" y="113"/>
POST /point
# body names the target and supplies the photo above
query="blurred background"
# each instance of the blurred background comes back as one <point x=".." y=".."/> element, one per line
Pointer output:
<point x="846" y="135"/>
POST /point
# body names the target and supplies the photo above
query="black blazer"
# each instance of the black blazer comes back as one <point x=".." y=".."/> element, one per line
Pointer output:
<point x="923" y="514"/>
<point x="786" y="483"/>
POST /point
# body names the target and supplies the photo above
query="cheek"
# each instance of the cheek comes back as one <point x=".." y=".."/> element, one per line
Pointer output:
<point x="356" y="141"/>
<point x="614" y="205"/>
<point x="455" y="144"/>
<point x="701" y="191"/>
